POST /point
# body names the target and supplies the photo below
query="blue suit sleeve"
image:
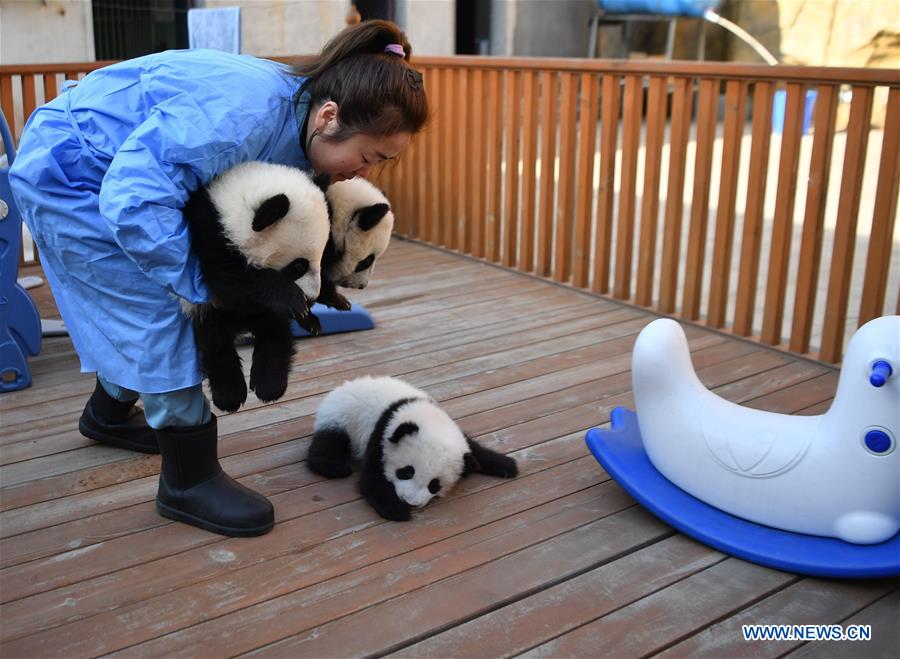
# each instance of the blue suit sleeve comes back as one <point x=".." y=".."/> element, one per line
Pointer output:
<point x="176" y="150"/>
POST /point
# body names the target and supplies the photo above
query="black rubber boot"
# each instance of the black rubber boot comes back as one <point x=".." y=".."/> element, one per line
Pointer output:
<point x="193" y="488"/>
<point x="116" y="423"/>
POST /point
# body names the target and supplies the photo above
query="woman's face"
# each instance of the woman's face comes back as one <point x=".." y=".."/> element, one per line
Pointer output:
<point x="350" y="157"/>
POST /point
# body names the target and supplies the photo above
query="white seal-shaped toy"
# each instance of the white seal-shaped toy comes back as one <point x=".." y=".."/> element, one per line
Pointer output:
<point x="835" y="475"/>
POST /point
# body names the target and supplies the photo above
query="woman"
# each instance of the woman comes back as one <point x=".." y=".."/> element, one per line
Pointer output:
<point x="101" y="176"/>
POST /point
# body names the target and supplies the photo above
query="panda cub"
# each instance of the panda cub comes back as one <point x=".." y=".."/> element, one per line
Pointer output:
<point x="361" y="225"/>
<point x="410" y="449"/>
<point x="259" y="231"/>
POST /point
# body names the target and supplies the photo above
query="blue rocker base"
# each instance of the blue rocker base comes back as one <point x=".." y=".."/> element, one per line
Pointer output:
<point x="620" y="451"/>
<point x="335" y="322"/>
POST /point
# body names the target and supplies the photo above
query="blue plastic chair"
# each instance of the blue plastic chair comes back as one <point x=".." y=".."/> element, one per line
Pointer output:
<point x="20" y="324"/>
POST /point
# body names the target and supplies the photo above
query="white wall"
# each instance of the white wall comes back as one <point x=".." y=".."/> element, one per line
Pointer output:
<point x="430" y="25"/>
<point x="44" y="31"/>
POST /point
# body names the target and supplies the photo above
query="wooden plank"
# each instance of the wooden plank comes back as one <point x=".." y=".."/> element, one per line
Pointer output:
<point x="457" y="120"/>
<point x="51" y="90"/>
<point x="562" y="261"/>
<point x="549" y="95"/>
<point x="584" y="190"/>
<point x="751" y="243"/>
<point x="565" y="606"/>
<point x="6" y="102"/>
<point x="814" y="218"/>
<point x="652" y="623"/>
<point x="511" y="159"/>
<point x="448" y="139"/>
<point x="29" y="97"/>
<point x="884" y="215"/>
<point x="609" y="131"/>
<point x="707" y="102"/>
<point x="783" y="221"/>
<point x="682" y="102"/>
<point x="631" y="139"/>
<point x="495" y="154"/>
<point x="841" y="270"/>
<point x="435" y="161"/>
<point x="720" y="277"/>
<point x="807" y="602"/>
<point x="881" y="617"/>
<point x="475" y="154"/>
<point x="529" y="163"/>
<point x="656" y="127"/>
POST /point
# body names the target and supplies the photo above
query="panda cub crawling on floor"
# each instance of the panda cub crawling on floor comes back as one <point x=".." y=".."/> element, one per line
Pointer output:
<point x="409" y="447"/>
<point x="259" y="231"/>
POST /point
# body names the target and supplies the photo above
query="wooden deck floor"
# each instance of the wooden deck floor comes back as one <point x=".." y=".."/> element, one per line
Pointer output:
<point x="558" y="562"/>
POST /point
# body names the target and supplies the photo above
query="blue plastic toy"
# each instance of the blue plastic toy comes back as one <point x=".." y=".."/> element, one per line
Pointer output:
<point x="335" y="322"/>
<point x="621" y="452"/>
<point x="812" y="494"/>
<point x="20" y="324"/>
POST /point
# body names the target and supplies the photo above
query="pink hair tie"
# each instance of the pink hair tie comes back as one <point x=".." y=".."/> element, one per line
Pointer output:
<point x="395" y="48"/>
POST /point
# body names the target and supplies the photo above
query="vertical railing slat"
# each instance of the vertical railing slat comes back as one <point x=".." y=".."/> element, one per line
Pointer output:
<point x="444" y="218"/>
<point x="475" y="235"/>
<point x="735" y="100"/>
<point x="707" y="102"/>
<point x="565" y="195"/>
<point x="656" y="128"/>
<point x="783" y="221"/>
<point x="609" y="135"/>
<point x="884" y="215"/>
<point x="495" y="157"/>
<point x="29" y="97"/>
<point x="529" y="156"/>
<point x="51" y="90"/>
<point x="814" y="218"/>
<point x="548" y="163"/>
<point x="845" y="227"/>
<point x="511" y="187"/>
<point x="631" y="138"/>
<point x="435" y="161"/>
<point x="460" y="157"/>
<point x="682" y="101"/>
<point x="751" y="243"/>
<point x="6" y="101"/>
<point x="587" y="137"/>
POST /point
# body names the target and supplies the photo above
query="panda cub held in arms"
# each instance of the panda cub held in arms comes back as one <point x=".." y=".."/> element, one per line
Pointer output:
<point x="410" y="449"/>
<point x="259" y="231"/>
<point x="361" y="225"/>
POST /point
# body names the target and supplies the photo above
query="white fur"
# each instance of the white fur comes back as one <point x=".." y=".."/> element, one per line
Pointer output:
<point x="347" y="197"/>
<point x="436" y="451"/>
<point x="302" y="233"/>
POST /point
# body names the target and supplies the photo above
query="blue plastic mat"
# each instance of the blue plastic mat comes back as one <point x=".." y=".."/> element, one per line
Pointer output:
<point x="335" y="322"/>
<point x="621" y="452"/>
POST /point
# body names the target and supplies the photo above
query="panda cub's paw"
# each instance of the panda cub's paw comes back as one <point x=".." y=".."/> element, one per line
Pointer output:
<point x="228" y="394"/>
<point x="311" y="324"/>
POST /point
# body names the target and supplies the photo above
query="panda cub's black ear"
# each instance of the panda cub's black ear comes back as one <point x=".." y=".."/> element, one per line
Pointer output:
<point x="322" y="181"/>
<point x="404" y="429"/>
<point x="270" y="211"/>
<point x="370" y="216"/>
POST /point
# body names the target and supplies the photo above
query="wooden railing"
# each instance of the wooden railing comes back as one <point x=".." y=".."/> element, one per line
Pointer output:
<point x="540" y="165"/>
<point x="603" y="175"/>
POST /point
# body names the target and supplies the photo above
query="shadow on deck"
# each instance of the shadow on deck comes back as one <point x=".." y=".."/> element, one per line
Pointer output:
<point x="558" y="562"/>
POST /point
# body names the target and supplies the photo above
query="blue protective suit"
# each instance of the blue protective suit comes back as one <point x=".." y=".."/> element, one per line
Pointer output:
<point x="101" y="176"/>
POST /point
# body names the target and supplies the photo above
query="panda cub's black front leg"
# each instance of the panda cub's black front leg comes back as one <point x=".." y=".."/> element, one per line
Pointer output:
<point x="214" y="332"/>
<point x="381" y="495"/>
<point x="329" y="296"/>
<point x="272" y="353"/>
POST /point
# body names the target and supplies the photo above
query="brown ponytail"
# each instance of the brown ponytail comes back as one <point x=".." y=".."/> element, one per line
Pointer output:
<point x="377" y="92"/>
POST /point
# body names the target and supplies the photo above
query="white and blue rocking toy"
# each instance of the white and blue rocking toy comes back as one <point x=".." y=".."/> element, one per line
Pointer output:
<point x="816" y="495"/>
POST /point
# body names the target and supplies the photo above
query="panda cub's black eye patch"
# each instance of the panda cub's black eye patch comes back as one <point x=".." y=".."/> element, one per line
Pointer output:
<point x="296" y="269"/>
<point x="365" y="263"/>
<point x="434" y="486"/>
<point x="405" y="473"/>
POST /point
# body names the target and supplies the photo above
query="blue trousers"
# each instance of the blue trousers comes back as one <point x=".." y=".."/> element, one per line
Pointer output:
<point x="183" y="408"/>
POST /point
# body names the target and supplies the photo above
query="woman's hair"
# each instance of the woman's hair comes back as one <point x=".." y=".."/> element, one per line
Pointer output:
<point x="377" y="92"/>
